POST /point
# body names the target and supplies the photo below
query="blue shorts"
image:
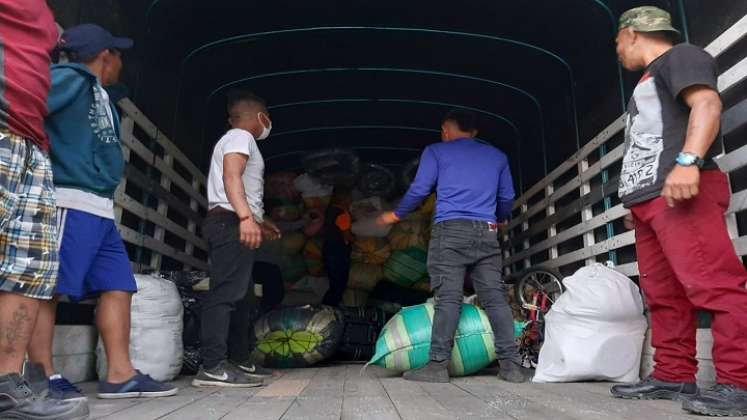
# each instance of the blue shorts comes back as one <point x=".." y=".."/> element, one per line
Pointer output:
<point x="93" y="258"/>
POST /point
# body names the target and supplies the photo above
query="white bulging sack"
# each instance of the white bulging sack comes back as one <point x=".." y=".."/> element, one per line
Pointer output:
<point x="369" y="228"/>
<point x="309" y="186"/>
<point x="595" y="330"/>
<point x="155" y="332"/>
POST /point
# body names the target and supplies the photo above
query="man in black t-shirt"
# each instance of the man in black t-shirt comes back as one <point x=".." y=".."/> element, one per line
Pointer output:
<point x="678" y="197"/>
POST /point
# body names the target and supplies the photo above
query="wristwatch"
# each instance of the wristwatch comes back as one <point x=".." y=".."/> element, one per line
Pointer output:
<point x="689" y="159"/>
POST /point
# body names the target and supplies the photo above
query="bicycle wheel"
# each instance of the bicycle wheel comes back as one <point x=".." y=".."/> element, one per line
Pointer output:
<point x="545" y="281"/>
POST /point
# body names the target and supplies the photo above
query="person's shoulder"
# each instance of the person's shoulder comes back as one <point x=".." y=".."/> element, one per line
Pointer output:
<point x="689" y="51"/>
<point x="71" y="70"/>
<point x="237" y="134"/>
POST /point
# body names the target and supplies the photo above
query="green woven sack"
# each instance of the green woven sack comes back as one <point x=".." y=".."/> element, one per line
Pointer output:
<point x="297" y="337"/>
<point x="405" y="268"/>
<point x="405" y="341"/>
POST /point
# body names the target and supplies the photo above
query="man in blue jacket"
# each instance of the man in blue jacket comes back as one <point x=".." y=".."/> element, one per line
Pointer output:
<point x="473" y="184"/>
<point x="87" y="165"/>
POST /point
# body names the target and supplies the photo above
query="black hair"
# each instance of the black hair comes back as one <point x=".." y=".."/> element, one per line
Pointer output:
<point x="466" y="120"/>
<point x="237" y="96"/>
<point x="667" y="36"/>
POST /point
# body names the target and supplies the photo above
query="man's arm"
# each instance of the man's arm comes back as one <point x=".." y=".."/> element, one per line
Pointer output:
<point x="703" y="127"/>
<point x="420" y="189"/>
<point x="506" y="195"/>
<point x="234" y="165"/>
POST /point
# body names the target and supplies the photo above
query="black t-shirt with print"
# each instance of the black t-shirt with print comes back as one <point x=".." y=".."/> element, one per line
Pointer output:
<point x="657" y="120"/>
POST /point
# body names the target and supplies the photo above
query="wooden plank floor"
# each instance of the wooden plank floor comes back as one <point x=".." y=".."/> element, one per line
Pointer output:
<point x="344" y="392"/>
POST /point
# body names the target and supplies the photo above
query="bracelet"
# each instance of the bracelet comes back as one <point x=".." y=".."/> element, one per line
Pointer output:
<point x="241" y="219"/>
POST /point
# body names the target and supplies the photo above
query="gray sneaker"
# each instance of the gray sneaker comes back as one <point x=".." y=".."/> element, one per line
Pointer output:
<point x="433" y="372"/>
<point x="513" y="372"/>
<point x="17" y="401"/>
<point x="225" y="375"/>
<point x="253" y="370"/>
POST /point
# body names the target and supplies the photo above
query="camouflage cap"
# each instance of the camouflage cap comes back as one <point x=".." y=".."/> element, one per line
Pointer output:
<point x="647" y="19"/>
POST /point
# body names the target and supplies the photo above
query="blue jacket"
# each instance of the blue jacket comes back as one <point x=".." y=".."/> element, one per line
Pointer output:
<point x="84" y="146"/>
<point x="472" y="182"/>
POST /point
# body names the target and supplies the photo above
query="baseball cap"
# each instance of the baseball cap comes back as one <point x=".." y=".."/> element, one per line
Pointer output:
<point x="647" y="19"/>
<point x="85" y="42"/>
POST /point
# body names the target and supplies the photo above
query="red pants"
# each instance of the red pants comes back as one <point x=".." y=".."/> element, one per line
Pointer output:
<point x="687" y="262"/>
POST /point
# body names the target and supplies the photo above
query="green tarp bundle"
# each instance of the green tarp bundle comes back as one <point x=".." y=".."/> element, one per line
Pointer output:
<point x="407" y="267"/>
<point x="405" y="341"/>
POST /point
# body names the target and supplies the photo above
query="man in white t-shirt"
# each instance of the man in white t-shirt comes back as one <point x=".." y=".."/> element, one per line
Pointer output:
<point x="234" y="229"/>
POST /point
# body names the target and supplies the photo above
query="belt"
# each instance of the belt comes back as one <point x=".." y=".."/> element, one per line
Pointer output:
<point x="492" y="227"/>
<point x="218" y="210"/>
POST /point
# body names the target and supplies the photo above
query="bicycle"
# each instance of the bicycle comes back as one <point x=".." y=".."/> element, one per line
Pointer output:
<point x="535" y="290"/>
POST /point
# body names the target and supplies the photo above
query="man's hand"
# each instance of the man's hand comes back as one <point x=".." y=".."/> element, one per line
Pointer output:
<point x="681" y="184"/>
<point x="629" y="221"/>
<point x="388" y="218"/>
<point x="270" y="231"/>
<point x="250" y="233"/>
<point x="502" y="226"/>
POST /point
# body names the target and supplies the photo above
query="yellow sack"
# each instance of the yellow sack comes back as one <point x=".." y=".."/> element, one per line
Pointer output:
<point x="365" y="276"/>
<point x="292" y="243"/>
<point x="312" y="253"/>
<point x="408" y="233"/>
<point x="429" y="207"/>
<point x="355" y="297"/>
<point x="371" y="251"/>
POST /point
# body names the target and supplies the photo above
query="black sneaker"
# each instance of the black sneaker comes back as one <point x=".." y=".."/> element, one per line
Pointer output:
<point x="225" y="375"/>
<point x="17" y="401"/>
<point x="719" y="401"/>
<point x="513" y="372"/>
<point x="653" y="389"/>
<point x="253" y="370"/>
<point x="433" y="372"/>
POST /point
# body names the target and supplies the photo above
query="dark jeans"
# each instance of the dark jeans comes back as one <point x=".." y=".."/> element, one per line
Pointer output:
<point x="458" y="247"/>
<point x="337" y="263"/>
<point x="271" y="279"/>
<point x="228" y="306"/>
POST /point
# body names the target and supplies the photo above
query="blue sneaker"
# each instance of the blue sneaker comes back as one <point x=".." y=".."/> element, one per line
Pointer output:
<point x="61" y="389"/>
<point x="139" y="386"/>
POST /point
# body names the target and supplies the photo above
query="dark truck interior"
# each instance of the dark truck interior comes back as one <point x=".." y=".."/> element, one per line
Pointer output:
<point x="377" y="77"/>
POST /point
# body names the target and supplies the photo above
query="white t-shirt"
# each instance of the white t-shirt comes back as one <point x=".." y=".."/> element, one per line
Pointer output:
<point x="238" y="141"/>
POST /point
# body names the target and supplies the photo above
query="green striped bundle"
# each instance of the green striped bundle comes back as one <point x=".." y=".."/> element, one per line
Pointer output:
<point x="405" y="268"/>
<point x="405" y="341"/>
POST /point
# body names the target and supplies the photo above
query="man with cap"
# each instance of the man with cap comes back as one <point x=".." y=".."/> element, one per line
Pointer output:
<point x="87" y="165"/>
<point x="678" y="196"/>
<point x="28" y="252"/>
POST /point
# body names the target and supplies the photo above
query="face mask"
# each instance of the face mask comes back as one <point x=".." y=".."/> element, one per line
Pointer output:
<point x="265" y="130"/>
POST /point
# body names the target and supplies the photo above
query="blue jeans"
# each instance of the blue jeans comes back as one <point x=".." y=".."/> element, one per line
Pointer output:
<point x="456" y="248"/>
